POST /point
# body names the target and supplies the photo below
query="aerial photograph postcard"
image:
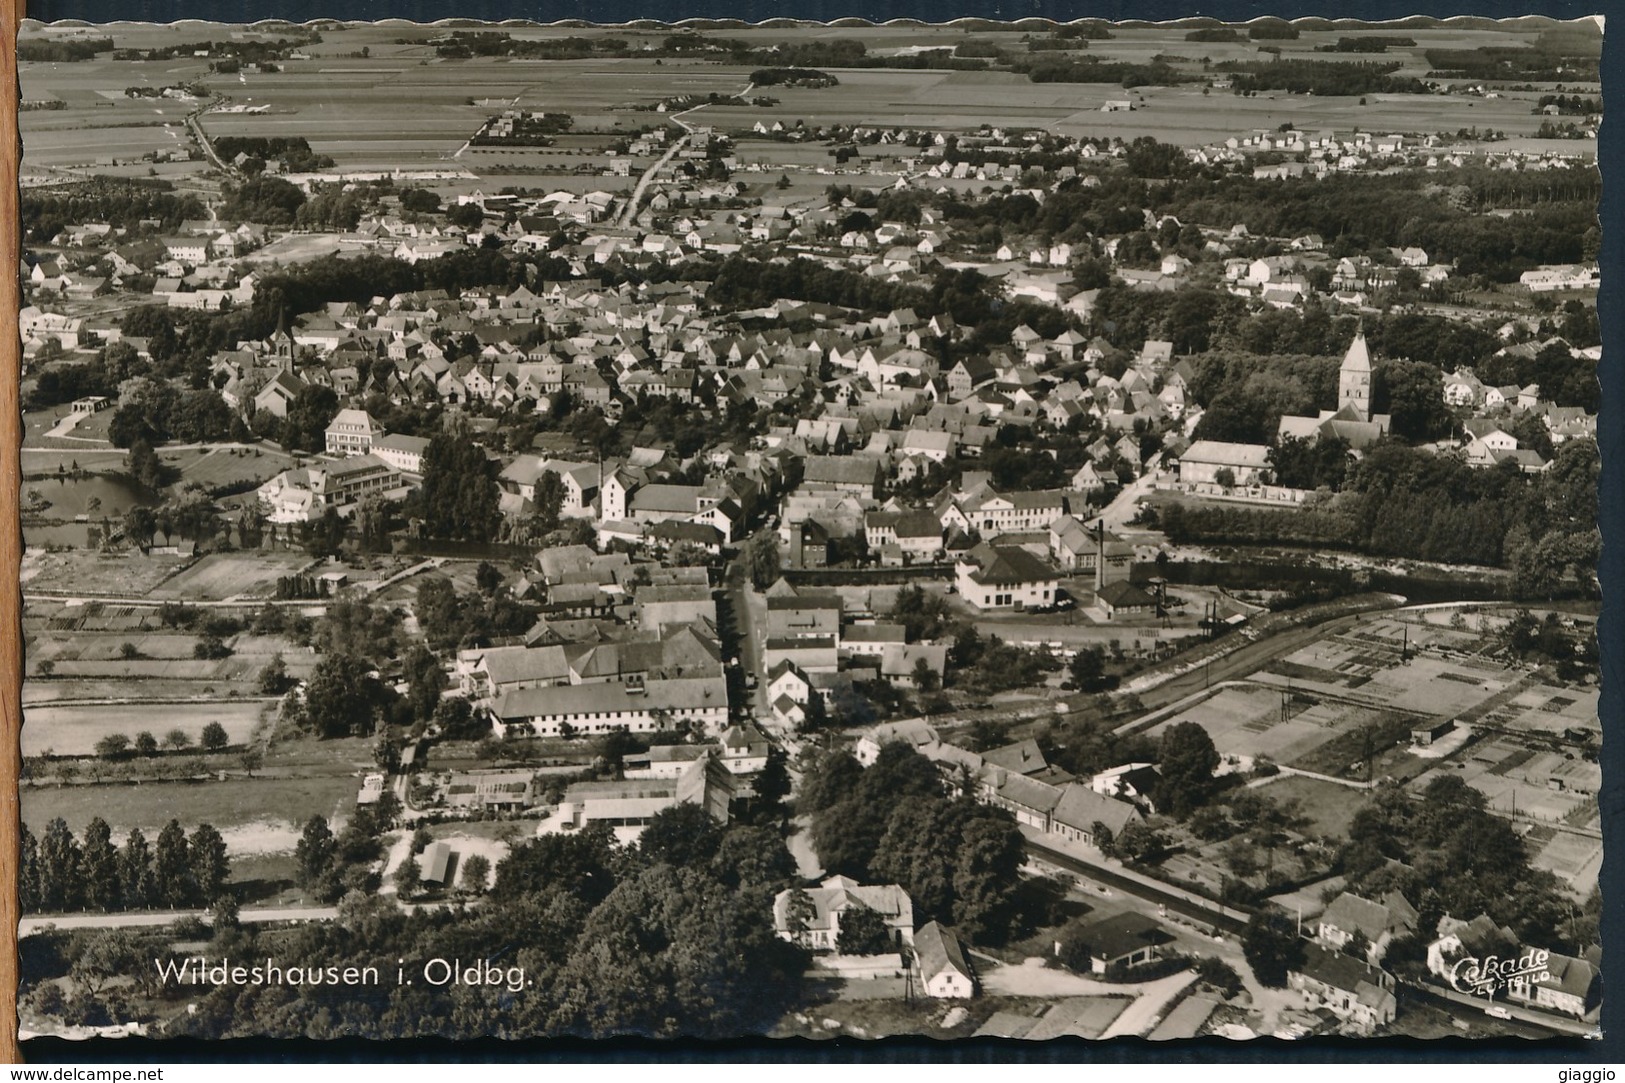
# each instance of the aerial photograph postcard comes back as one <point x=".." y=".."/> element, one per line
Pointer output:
<point x="981" y="529"/>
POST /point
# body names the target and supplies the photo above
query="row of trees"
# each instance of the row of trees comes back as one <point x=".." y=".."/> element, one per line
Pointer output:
<point x="118" y="746"/>
<point x="59" y="872"/>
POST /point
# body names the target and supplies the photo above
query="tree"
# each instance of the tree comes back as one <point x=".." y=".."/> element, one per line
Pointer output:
<point x="172" y="866"/>
<point x="408" y="877"/>
<point x="425" y="681"/>
<point x="549" y="501"/>
<point x="863" y="931"/>
<point x="1088" y="668"/>
<point x="27" y="870"/>
<point x="1186" y="760"/>
<point x="372" y="525"/>
<point x="211" y="867"/>
<point x="684" y="835"/>
<point x="145" y="468"/>
<point x="311" y="411"/>
<point x="487" y="576"/>
<point x="113" y="746"/>
<point x="1136" y="842"/>
<point x="1272" y="947"/>
<point x="800" y="911"/>
<point x="214" y="737"/>
<point x="140" y="524"/>
<point x="314" y="852"/>
<point x="925" y="678"/>
<point x="224" y="913"/>
<point x="146" y="744"/>
<point x="459" y="496"/>
<point x="455" y="717"/>
<point x="476" y="874"/>
<point x="1219" y="974"/>
<point x="773" y="783"/>
<point x="106" y="955"/>
<point x="177" y="739"/>
<point x="613" y="748"/>
<point x="211" y="647"/>
<point x="763" y="559"/>
<point x="136" y="888"/>
<point x="273" y="677"/>
<point x="99" y="867"/>
<point x="386" y="751"/>
<point x="1408" y="391"/>
<point x="468" y="216"/>
<point x="340" y="697"/>
<point x="61" y="886"/>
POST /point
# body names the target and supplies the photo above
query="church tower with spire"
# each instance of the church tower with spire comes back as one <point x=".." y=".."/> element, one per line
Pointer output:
<point x="1354" y="380"/>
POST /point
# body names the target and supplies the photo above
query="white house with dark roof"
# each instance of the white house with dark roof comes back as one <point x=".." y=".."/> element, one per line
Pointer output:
<point x="818" y="925"/>
<point x="1005" y="577"/>
<point x="1202" y="462"/>
<point x="1377" y="922"/>
<point x="352" y="432"/>
<point x="944" y="972"/>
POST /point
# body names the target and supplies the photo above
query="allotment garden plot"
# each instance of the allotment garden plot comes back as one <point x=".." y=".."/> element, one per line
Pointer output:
<point x="1249" y="721"/>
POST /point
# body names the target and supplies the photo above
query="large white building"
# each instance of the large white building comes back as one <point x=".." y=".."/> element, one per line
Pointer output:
<point x="1204" y="460"/>
<point x="305" y="493"/>
<point x="1005" y="577"/>
<point x="352" y="432"/>
<point x="637" y="706"/>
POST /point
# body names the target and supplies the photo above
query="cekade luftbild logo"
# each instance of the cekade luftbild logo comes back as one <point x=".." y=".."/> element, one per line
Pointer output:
<point x="1484" y="977"/>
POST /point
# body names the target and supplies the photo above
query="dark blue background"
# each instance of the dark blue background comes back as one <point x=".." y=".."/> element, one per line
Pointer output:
<point x="1572" y="1053"/>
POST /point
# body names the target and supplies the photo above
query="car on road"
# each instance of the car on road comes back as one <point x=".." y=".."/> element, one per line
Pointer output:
<point x="1498" y="1012"/>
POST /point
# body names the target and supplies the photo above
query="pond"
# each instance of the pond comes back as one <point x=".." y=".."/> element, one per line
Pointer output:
<point x="58" y="502"/>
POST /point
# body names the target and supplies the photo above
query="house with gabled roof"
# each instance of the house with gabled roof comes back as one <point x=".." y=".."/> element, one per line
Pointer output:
<point x="278" y="393"/>
<point x="1359" y="994"/>
<point x="944" y="972"/>
<point x="812" y="917"/>
<point x="1005" y="577"/>
<point x="1377" y="922"/>
<point x="1080" y="813"/>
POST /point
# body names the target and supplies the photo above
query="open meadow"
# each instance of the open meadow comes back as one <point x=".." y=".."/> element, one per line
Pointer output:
<point x="265" y="812"/>
<point x="74" y="729"/>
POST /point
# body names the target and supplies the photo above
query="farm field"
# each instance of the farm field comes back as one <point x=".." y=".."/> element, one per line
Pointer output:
<point x="73" y="730"/>
<point x="254" y="815"/>
<point x="450" y="98"/>
<point x="152" y="688"/>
